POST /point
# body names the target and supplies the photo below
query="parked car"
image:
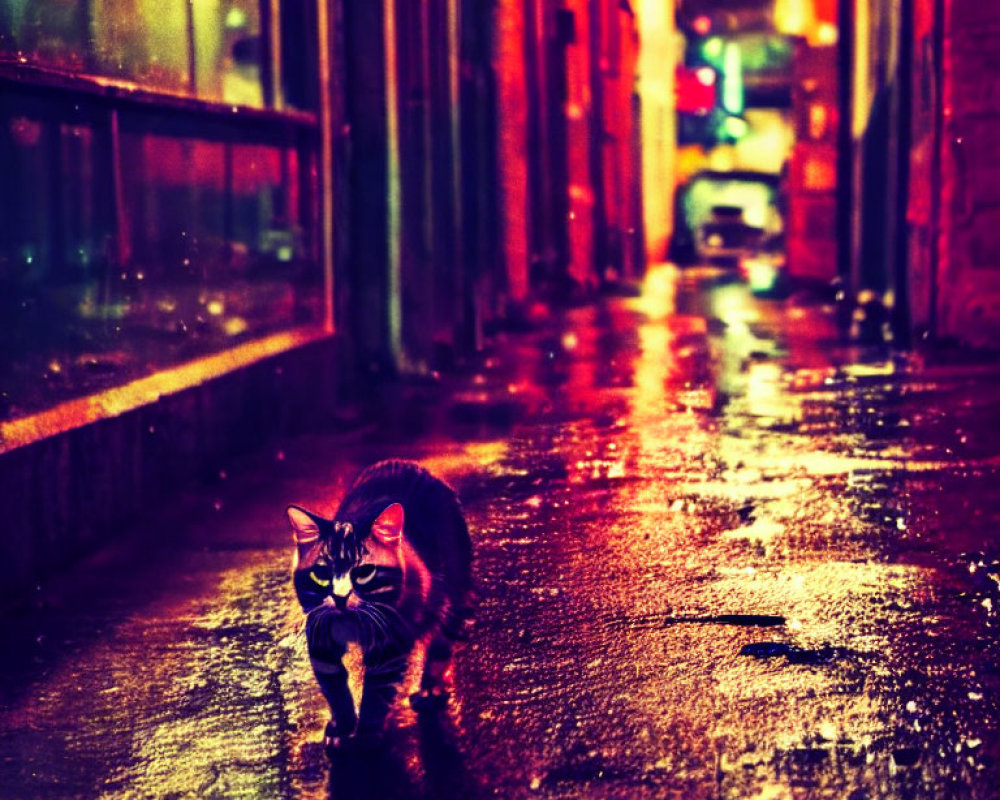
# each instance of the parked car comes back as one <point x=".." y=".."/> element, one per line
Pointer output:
<point x="726" y="237"/>
<point x="721" y="217"/>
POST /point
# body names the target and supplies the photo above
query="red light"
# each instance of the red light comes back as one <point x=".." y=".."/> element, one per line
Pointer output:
<point x="702" y="24"/>
<point x="695" y="90"/>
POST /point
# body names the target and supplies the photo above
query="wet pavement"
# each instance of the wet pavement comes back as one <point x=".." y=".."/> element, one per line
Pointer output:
<point x="719" y="555"/>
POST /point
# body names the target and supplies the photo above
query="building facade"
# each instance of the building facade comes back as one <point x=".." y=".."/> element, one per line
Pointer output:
<point x="569" y="127"/>
<point x="917" y="210"/>
<point x="953" y="206"/>
<point x="164" y="254"/>
<point x="222" y="218"/>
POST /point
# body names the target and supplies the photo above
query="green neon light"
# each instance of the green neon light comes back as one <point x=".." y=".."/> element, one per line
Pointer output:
<point x="732" y="84"/>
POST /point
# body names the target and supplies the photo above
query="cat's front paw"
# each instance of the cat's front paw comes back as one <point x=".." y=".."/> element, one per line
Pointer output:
<point x="429" y="700"/>
<point x="335" y="738"/>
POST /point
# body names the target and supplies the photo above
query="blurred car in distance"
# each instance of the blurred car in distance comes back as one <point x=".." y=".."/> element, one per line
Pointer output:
<point x="724" y="216"/>
<point x="726" y="237"/>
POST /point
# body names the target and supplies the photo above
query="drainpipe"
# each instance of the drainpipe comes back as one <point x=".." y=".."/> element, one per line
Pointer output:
<point x="845" y="160"/>
<point x="901" y="327"/>
<point x="596" y="154"/>
<point x="937" y="142"/>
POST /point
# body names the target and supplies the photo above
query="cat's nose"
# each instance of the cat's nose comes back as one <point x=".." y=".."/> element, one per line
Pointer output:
<point x="341" y="590"/>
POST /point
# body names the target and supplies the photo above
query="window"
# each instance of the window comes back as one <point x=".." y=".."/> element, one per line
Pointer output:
<point x="141" y="230"/>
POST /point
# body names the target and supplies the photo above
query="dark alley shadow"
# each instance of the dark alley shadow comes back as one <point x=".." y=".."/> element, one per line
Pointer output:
<point x="384" y="774"/>
<point x="370" y="774"/>
<point x="444" y="763"/>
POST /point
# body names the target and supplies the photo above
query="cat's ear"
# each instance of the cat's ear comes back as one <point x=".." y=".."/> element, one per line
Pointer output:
<point x="388" y="527"/>
<point x="304" y="525"/>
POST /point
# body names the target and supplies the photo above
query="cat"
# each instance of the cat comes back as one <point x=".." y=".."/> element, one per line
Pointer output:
<point x="393" y="566"/>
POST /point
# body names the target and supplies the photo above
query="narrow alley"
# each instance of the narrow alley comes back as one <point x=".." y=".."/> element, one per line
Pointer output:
<point x="719" y="554"/>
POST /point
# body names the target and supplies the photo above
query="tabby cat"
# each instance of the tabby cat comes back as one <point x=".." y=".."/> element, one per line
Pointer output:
<point x="391" y="567"/>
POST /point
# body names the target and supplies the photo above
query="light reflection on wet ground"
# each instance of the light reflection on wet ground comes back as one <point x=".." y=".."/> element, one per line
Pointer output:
<point x="718" y="556"/>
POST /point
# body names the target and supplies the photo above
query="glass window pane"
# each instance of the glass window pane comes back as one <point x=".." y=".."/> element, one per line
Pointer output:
<point x="47" y="32"/>
<point x="57" y="258"/>
<point x="144" y="41"/>
<point x="228" y="51"/>
<point x="219" y="236"/>
<point x="154" y="43"/>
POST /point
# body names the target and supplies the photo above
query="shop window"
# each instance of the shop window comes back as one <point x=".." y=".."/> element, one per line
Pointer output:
<point x="191" y="244"/>
<point x="227" y="51"/>
<point x="139" y="232"/>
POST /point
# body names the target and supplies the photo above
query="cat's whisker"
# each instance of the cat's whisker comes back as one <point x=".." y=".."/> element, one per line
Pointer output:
<point x="391" y="615"/>
<point x="382" y="621"/>
<point x="397" y="628"/>
<point x="378" y="624"/>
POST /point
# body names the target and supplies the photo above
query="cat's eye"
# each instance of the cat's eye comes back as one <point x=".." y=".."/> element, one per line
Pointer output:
<point x="363" y="574"/>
